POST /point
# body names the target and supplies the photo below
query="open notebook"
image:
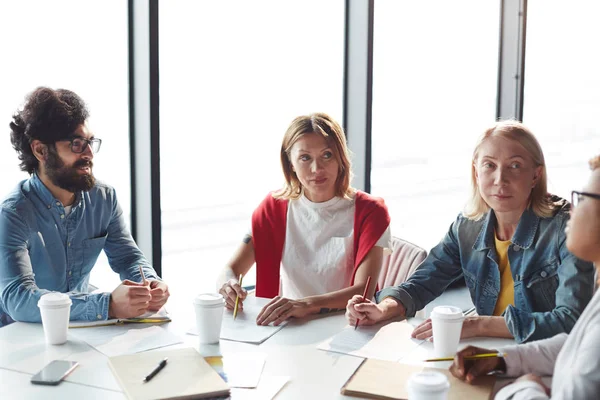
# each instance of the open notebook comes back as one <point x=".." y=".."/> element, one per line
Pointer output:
<point x="378" y="379"/>
<point x="159" y="317"/>
<point x="186" y="376"/>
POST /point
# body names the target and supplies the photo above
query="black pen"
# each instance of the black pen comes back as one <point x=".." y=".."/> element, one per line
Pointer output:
<point x="156" y="370"/>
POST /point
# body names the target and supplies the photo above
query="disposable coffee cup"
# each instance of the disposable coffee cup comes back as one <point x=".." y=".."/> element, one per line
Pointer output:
<point x="55" y="309"/>
<point x="209" y="316"/>
<point x="428" y="385"/>
<point x="446" y="324"/>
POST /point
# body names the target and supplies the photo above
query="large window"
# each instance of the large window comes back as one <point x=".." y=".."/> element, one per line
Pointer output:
<point x="434" y="93"/>
<point x="232" y="77"/>
<point x="76" y="45"/>
<point x="562" y="88"/>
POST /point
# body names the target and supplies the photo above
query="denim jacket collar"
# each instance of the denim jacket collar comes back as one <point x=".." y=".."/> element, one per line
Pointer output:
<point x="523" y="237"/>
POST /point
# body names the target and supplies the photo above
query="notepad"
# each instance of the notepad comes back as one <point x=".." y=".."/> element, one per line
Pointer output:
<point x="159" y="317"/>
<point x="390" y="341"/>
<point x="378" y="379"/>
<point x="244" y="328"/>
<point x="186" y="375"/>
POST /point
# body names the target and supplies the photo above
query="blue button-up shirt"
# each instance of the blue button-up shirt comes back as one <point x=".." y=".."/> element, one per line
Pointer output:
<point x="551" y="285"/>
<point x="42" y="249"/>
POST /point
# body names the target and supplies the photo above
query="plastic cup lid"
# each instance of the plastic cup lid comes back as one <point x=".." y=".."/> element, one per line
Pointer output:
<point x="209" y="299"/>
<point x="429" y="381"/>
<point x="54" y="299"/>
<point x="449" y="313"/>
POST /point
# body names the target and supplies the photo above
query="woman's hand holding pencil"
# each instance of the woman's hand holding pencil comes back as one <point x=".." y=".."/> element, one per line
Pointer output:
<point x="232" y="290"/>
<point x="472" y="362"/>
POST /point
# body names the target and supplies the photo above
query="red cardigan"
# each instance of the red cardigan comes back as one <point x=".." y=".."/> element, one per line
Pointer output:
<point x="269" y="220"/>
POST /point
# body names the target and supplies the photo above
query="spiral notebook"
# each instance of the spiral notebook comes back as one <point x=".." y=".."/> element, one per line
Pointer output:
<point x="186" y="376"/>
<point x="386" y="380"/>
<point x="159" y="317"/>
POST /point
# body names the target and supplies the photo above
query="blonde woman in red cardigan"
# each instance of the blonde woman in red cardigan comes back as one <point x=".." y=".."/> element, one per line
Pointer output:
<point x="316" y="241"/>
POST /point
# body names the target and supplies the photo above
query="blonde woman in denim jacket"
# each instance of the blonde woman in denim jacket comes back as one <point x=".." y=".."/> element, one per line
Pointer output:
<point x="509" y="245"/>
<point x="573" y="360"/>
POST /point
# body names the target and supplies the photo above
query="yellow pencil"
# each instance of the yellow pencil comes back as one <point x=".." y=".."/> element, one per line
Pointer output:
<point x="475" y="357"/>
<point x="237" y="300"/>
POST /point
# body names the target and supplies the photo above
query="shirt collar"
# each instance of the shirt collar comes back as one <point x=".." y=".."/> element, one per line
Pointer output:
<point x="44" y="193"/>
<point x="523" y="237"/>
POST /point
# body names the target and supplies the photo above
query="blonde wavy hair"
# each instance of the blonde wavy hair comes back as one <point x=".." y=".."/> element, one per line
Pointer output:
<point x="539" y="199"/>
<point x="320" y="124"/>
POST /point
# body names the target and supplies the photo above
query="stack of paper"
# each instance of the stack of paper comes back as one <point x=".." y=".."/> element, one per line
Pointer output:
<point x="125" y="339"/>
<point x="383" y="342"/>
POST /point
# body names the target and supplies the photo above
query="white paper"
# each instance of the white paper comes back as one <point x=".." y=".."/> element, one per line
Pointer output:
<point x="389" y="342"/>
<point x="239" y="370"/>
<point x="244" y="328"/>
<point x="117" y="340"/>
<point x="243" y="370"/>
<point x="267" y="389"/>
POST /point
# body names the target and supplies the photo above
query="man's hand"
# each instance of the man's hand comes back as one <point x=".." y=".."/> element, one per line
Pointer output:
<point x="129" y="299"/>
<point x="160" y="294"/>
<point x="230" y="290"/>
<point x="369" y="313"/>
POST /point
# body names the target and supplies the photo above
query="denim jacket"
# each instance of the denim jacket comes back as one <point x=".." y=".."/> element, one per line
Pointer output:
<point x="551" y="285"/>
<point x="43" y="249"/>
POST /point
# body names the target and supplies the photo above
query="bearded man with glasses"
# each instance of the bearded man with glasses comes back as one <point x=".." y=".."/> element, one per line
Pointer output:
<point x="54" y="225"/>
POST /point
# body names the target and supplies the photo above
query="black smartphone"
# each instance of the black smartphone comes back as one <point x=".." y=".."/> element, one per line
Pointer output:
<point x="54" y="372"/>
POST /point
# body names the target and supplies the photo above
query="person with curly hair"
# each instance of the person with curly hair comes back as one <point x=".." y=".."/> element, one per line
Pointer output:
<point x="54" y="225"/>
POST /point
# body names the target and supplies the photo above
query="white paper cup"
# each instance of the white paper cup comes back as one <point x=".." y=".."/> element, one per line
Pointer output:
<point x="428" y="385"/>
<point x="209" y="316"/>
<point x="55" y="309"/>
<point x="446" y="324"/>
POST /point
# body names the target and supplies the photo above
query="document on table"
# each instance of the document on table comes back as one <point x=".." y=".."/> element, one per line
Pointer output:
<point x="389" y="342"/>
<point x="267" y="389"/>
<point x="117" y="340"/>
<point x="239" y="370"/>
<point x="244" y="328"/>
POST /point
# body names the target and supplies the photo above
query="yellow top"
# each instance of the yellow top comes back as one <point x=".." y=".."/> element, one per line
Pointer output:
<point x="507" y="284"/>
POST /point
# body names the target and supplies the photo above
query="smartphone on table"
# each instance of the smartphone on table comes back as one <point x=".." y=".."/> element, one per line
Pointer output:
<point x="54" y="372"/>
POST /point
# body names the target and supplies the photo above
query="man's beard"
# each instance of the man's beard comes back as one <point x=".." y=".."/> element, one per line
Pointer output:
<point x="68" y="178"/>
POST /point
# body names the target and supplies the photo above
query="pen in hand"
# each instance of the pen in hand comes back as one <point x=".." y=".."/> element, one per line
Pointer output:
<point x="237" y="300"/>
<point x="364" y="298"/>
<point x="156" y="370"/>
<point x="143" y="277"/>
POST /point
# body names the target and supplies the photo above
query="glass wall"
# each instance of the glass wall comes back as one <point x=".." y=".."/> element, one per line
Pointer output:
<point x="434" y="92"/>
<point x="76" y="45"/>
<point x="233" y="75"/>
<point x="562" y="88"/>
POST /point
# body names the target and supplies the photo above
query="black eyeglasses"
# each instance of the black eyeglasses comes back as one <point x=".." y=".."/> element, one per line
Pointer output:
<point x="78" y="144"/>
<point x="577" y="197"/>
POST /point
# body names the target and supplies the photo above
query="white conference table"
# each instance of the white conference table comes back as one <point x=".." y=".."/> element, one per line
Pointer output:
<point x="290" y="352"/>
